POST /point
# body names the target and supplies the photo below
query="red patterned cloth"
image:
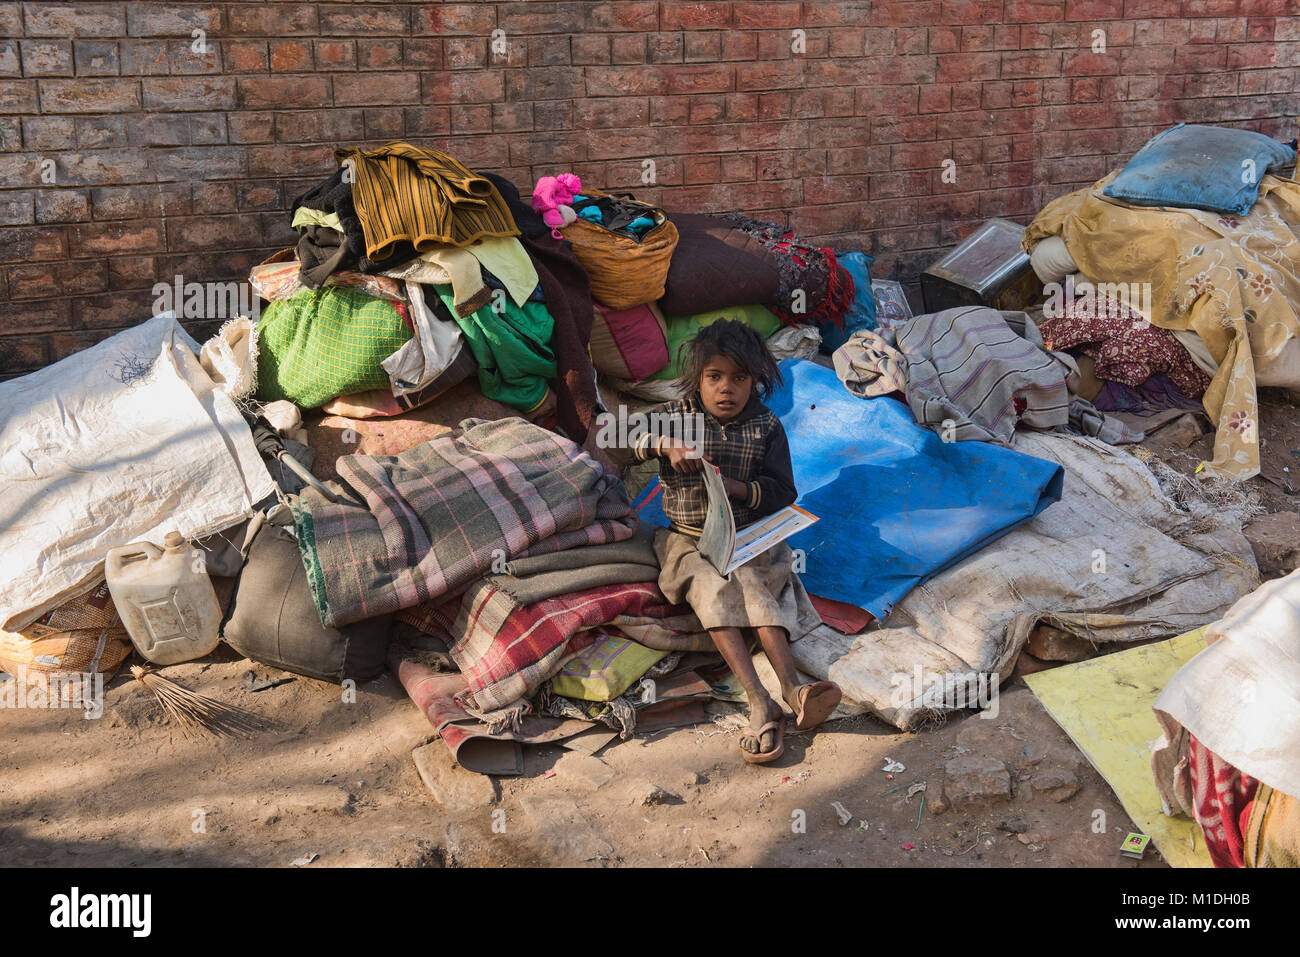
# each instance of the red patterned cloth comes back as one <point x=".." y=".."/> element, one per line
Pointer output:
<point x="506" y="650"/>
<point x="1126" y="348"/>
<point x="1222" y="798"/>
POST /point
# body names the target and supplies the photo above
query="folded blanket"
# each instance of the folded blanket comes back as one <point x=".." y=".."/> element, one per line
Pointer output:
<point x="638" y="550"/>
<point x="539" y="587"/>
<point x="413" y="527"/>
<point x="506" y="650"/>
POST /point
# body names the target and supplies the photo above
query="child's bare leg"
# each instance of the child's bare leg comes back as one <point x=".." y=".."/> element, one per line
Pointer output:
<point x="777" y="648"/>
<point x="762" y="709"/>
<point x="819" y="698"/>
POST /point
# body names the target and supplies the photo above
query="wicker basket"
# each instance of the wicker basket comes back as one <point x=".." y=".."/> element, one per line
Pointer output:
<point x="622" y="271"/>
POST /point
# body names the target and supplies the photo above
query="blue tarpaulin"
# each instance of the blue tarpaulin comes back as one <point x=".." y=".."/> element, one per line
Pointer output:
<point x="896" y="504"/>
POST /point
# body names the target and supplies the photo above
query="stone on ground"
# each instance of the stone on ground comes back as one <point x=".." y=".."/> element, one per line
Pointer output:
<point x="451" y="785"/>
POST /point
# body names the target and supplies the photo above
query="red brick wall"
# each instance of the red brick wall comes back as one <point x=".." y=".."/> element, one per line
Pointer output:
<point x="167" y="161"/>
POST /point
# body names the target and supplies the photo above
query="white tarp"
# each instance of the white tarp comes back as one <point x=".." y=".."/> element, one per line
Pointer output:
<point x="1240" y="697"/>
<point x="95" y="451"/>
<point x="1114" y="560"/>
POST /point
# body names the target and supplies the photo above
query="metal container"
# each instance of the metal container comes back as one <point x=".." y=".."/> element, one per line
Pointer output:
<point x="988" y="268"/>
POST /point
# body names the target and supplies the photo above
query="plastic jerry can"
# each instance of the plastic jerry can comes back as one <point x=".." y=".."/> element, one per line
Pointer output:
<point x="168" y="606"/>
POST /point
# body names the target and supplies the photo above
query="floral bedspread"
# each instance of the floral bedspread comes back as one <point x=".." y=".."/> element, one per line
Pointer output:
<point x="1233" y="280"/>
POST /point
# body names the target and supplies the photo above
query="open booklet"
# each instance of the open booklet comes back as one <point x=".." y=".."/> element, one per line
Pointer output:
<point x="726" y="549"/>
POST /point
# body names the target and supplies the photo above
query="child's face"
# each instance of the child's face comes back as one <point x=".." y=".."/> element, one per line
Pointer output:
<point x="724" y="388"/>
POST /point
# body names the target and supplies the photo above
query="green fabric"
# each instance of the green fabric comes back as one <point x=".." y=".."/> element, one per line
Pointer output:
<point x="327" y="342"/>
<point x="605" y="670"/>
<point x="513" y="349"/>
<point x="302" y="216"/>
<point x="682" y="328"/>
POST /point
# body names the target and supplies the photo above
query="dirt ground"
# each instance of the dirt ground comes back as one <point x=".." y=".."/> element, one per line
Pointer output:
<point x="336" y="782"/>
<point x="339" y="782"/>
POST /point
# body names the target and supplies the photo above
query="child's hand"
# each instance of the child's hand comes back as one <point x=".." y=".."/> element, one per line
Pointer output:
<point x="681" y="456"/>
<point x="735" y="489"/>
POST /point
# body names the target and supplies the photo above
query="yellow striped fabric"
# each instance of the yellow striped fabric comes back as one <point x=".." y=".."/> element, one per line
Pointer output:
<point x="403" y="192"/>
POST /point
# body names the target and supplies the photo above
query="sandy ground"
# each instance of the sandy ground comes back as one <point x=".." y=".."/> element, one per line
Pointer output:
<point x="129" y="789"/>
<point x="337" y="780"/>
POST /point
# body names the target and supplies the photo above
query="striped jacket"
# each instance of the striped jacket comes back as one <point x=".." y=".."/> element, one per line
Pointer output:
<point x="424" y="197"/>
<point x="752" y="448"/>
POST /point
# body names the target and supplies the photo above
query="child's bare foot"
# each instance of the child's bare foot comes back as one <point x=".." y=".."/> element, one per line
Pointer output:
<point x="764" y="741"/>
<point x="813" y="703"/>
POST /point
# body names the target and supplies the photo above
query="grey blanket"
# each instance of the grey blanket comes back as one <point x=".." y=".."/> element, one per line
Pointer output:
<point x="530" y="589"/>
<point x="974" y="373"/>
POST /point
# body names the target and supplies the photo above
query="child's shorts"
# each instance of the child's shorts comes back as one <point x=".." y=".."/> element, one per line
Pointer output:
<point x="763" y="591"/>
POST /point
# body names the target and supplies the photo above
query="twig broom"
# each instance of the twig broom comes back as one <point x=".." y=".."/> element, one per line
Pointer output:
<point x="196" y="713"/>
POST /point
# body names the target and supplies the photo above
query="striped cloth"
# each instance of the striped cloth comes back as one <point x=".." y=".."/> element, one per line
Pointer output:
<point x="506" y="650"/>
<point x="402" y="192"/>
<point x="440" y="515"/>
<point x="971" y="377"/>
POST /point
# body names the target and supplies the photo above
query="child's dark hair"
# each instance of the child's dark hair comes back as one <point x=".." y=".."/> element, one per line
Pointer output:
<point x="739" y="343"/>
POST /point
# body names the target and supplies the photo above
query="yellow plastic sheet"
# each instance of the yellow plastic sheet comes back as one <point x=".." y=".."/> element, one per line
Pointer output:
<point x="1104" y="705"/>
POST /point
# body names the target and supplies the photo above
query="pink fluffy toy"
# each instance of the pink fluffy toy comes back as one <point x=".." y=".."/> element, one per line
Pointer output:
<point x="550" y="194"/>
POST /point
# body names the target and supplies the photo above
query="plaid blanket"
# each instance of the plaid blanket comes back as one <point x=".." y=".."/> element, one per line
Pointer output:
<point x="506" y="651"/>
<point x="442" y="514"/>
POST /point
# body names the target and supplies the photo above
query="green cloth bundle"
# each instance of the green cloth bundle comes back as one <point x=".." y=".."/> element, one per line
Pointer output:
<point x="327" y="342"/>
<point x="512" y="348"/>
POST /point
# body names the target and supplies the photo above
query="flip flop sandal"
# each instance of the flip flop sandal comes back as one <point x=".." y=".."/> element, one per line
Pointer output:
<point x="816" y="704"/>
<point x="763" y="757"/>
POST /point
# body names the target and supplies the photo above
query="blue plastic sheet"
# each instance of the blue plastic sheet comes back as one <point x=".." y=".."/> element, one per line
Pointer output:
<point x="897" y="505"/>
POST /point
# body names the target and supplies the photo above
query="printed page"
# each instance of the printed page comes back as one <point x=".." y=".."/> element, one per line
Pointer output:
<point x="757" y="538"/>
<point x="718" y="539"/>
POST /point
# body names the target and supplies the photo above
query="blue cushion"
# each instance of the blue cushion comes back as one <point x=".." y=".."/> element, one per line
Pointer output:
<point x="1200" y="167"/>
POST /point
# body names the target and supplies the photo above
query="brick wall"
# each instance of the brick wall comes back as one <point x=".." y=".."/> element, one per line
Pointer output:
<point x="135" y="150"/>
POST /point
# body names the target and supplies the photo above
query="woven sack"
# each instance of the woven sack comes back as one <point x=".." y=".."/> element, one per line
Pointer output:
<point x="622" y="271"/>
<point x="84" y="635"/>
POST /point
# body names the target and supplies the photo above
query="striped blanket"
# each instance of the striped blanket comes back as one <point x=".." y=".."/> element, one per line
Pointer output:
<point x="973" y="375"/>
<point x="967" y="366"/>
<point x="413" y="527"/>
<point x="506" y="650"/>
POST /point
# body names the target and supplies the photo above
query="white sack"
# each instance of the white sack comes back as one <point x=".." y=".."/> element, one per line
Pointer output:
<point x="1240" y="697"/>
<point x="89" y="461"/>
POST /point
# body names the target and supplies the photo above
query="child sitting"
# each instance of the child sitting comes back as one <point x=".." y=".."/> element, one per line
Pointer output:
<point x="726" y="368"/>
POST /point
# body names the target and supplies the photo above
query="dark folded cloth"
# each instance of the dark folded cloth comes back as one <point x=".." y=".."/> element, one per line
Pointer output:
<point x="715" y="266"/>
<point x="530" y="589"/>
<point x="321" y="251"/>
<point x="526" y="220"/>
<point x="335" y="196"/>
<point x="637" y="550"/>
<point x="1155" y="395"/>
<point x="567" y="294"/>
